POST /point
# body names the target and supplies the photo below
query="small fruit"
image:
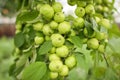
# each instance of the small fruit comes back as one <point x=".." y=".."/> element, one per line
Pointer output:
<point x="85" y="32"/>
<point x="47" y="11"/>
<point x="53" y="75"/>
<point x="64" y="27"/>
<point x="70" y="61"/>
<point x="47" y="30"/>
<point x="38" y="26"/>
<point x="101" y="48"/>
<point x="81" y="3"/>
<point x="93" y="43"/>
<point x="57" y="40"/>
<point x="71" y="2"/>
<point x="55" y="66"/>
<point x="100" y="35"/>
<point x="105" y="23"/>
<point x="38" y="40"/>
<point x="53" y="57"/>
<point x="59" y="17"/>
<point x="80" y="12"/>
<point x="64" y="71"/>
<point x="78" y="22"/>
<point x="53" y="50"/>
<point x="62" y="51"/>
<point x="57" y="6"/>
<point x="89" y="9"/>
<point x="53" y="25"/>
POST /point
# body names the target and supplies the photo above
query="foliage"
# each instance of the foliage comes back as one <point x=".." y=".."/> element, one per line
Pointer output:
<point x="81" y="37"/>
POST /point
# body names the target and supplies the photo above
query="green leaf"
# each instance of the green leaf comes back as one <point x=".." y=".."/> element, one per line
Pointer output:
<point x="19" y="39"/>
<point x="35" y="71"/>
<point x="77" y="74"/>
<point x="27" y="16"/>
<point x="89" y="28"/>
<point x="47" y="46"/>
<point x="46" y="76"/>
<point x="95" y="26"/>
<point x="76" y="41"/>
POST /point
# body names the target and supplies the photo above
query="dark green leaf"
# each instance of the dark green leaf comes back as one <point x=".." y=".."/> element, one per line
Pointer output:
<point x="76" y="41"/>
<point x="89" y="28"/>
<point x="35" y="71"/>
<point x="47" y="46"/>
<point x="27" y="16"/>
<point x="19" y="39"/>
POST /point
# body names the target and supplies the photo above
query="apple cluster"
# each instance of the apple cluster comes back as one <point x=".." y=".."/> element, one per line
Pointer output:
<point x="85" y="11"/>
<point x="55" y="30"/>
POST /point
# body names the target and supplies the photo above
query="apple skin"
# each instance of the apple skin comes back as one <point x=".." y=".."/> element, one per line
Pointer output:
<point x="57" y="40"/>
<point x="62" y="51"/>
<point x="70" y="61"/>
<point x="93" y="43"/>
<point x="55" y="65"/>
<point x="64" y="71"/>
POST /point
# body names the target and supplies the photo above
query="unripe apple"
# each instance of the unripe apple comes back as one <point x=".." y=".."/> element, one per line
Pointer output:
<point x="55" y="65"/>
<point x="93" y="43"/>
<point x="53" y="57"/>
<point x="57" y="6"/>
<point x="64" y="27"/>
<point x="100" y="35"/>
<point x="47" y="11"/>
<point x="101" y="48"/>
<point x="62" y="51"/>
<point x="53" y="25"/>
<point x="81" y="3"/>
<point x="105" y="23"/>
<point x="78" y="22"/>
<point x="89" y="9"/>
<point x="53" y="50"/>
<point x="57" y="40"/>
<point x="71" y="2"/>
<point x="38" y="26"/>
<point x="47" y="30"/>
<point x="59" y="17"/>
<point x="70" y="61"/>
<point x="80" y="12"/>
<point x="64" y="71"/>
<point x="53" y="75"/>
<point x="38" y="40"/>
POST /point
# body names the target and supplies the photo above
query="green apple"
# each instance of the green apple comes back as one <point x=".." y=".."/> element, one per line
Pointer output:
<point x="89" y="9"/>
<point x="64" y="71"/>
<point x="47" y="11"/>
<point x="105" y="23"/>
<point x="81" y="3"/>
<point x="70" y="61"/>
<point x="100" y="35"/>
<point x="80" y="11"/>
<point x="97" y="19"/>
<point x="38" y="40"/>
<point x="55" y="65"/>
<point x="47" y="38"/>
<point x="93" y="43"/>
<point x="47" y="30"/>
<point x="53" y="50"/>
<point x="57" y="6"/>
<point x="78" y="22"/>
<point x="53" y="57"/>
<point x="57" y="40"/>
<point x="53" y="25"/>
<point x="59" y="17"/>
<point x="101" y="48"/>
<point x="38" y="26"/>
<point x="53" y="75"/>
<point x="64" y="27"/>
<point x="71" y="2"/>
<point x="62" y="51"/>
